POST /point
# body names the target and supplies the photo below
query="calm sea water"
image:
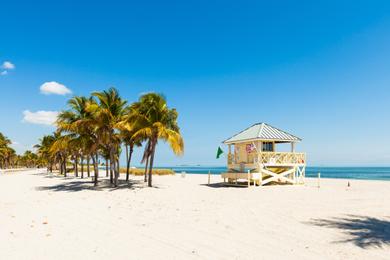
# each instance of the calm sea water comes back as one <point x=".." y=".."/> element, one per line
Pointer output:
<point x="363" y="173"/>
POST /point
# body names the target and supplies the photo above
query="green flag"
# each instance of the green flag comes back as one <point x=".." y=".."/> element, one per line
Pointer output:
<point x="219" y="152"/>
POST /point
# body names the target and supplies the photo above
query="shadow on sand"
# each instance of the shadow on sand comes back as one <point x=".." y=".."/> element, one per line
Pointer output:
<point x="363" y="231"/>
<point x="81" y="184"/>
<point x="225" y="185"/>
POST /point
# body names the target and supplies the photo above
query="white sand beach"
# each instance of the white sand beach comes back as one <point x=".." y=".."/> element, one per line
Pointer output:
<point x="49" y="217"/>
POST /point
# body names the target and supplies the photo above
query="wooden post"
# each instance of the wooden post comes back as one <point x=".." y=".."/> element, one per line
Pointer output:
<point x="261" y="178"/>
<point x="260" y="160"/>
<point x="319" y="178"/>
<point x="230" y="161"/>
<point x="209" y="177"/>
<point x="249" y="178"/>
<point x="295" y="175"/>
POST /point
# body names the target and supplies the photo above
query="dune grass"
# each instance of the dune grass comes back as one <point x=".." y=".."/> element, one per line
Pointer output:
<point x="136" y="172"/>
<point x="140" y="172"/>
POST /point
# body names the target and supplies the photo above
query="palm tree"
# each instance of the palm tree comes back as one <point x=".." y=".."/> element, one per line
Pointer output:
<point x="5" y="151"/>
<point x="107" y="114"/>
<point x="9" y="155"/>
<point x="127" y="130"/>
<point x="60" y="151"/>
<point x="145" y="159"/>
<point x="106" y="155"/>
<point x="43" y="149"/>
<point x="156" y="121"/>
<point x="79" y="123"/>
<point x="75" y="144"/>
<point x="130" y="142"/>
<point x="30" y="159"/>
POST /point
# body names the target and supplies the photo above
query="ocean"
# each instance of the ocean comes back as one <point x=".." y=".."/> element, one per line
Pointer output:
<point x="361" y="173"/>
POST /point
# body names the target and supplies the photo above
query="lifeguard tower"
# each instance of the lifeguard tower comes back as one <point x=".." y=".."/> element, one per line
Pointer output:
<point x="253" y="157"/>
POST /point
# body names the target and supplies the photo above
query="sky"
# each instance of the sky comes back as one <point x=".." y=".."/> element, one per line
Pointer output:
<point x="317" y="69"/>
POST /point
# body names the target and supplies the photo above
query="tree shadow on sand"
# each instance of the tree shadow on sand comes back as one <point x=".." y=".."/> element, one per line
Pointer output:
<point x="363" y="231"/>
<point x="80" y="185"/>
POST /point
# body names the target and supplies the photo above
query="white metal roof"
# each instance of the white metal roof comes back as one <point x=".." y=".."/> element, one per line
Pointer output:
<point x="264" y="132"/>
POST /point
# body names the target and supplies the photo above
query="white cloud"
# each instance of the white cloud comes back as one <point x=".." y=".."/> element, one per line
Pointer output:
<point x="7" y="65"/>
<point x="53" y="87"/>
<point x="3" y="73"/>
<point x="40" y="117"/>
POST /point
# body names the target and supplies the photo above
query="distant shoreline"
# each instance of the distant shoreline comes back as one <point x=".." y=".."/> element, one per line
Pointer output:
<point x="355" y="173"/>
<point x="349" y="173"/>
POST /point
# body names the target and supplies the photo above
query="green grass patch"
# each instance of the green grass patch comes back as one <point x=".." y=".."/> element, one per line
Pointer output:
<point x="140" y="172"/>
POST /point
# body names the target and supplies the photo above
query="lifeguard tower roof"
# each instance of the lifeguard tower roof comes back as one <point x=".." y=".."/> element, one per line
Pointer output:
<point x="263" y="132"/>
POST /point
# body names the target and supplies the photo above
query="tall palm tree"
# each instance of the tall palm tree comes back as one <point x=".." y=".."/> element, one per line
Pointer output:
<point x="30" y="159"/>
<point x="130" y="142"/>
<point x="9" y="155"/>
<point x="43" y="149"/>
<point x="156" y="121"/>
<point x="145" y="159"/>
<point x="5" y="151"/>
<point x="106" y="155"/>
<point x="108" y="113"/>
<point x="60" y="151"/>
<point x="127" y="130"/>
<point x="79" y="123"/>
<point x="76" y="143"/>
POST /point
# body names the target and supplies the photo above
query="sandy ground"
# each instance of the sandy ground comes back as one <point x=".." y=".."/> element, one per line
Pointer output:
<point x="49" y="217"/>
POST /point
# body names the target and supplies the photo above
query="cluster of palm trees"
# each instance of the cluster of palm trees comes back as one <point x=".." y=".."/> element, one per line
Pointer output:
<point x="7" y="154"/>
<point x="99" y="126"/>
<point x="9" y="158"/>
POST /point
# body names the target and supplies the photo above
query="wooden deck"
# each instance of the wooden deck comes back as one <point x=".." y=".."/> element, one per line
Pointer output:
<point x="287" y="175"/>
<point x="269" y="159"/>
<point x="267" y="167"/>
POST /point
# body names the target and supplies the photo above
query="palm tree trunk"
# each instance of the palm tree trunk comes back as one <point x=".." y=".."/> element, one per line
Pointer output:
<point x="107" y="160"/>
<point x="151" y="164"/>
<point x="93" y="162"/>
<point x="146" y="169"/>
<point x="88" y="170"/>
<point x="111" y="171"/>
<point x="128" y="162"/>
<point x="59" y="165"/>
<point x="76" y="166"/>
<point x="116" y="174"/>
<point x="64" y="166"/>
<point x="96" y="169"/>
<point x="82" y="166"/>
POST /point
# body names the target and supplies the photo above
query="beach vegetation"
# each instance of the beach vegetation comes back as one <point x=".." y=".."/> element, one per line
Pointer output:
<point x="98" y="127"/>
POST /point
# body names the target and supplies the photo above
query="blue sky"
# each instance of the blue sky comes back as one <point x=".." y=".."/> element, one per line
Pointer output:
<point x="318" y="69"/>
